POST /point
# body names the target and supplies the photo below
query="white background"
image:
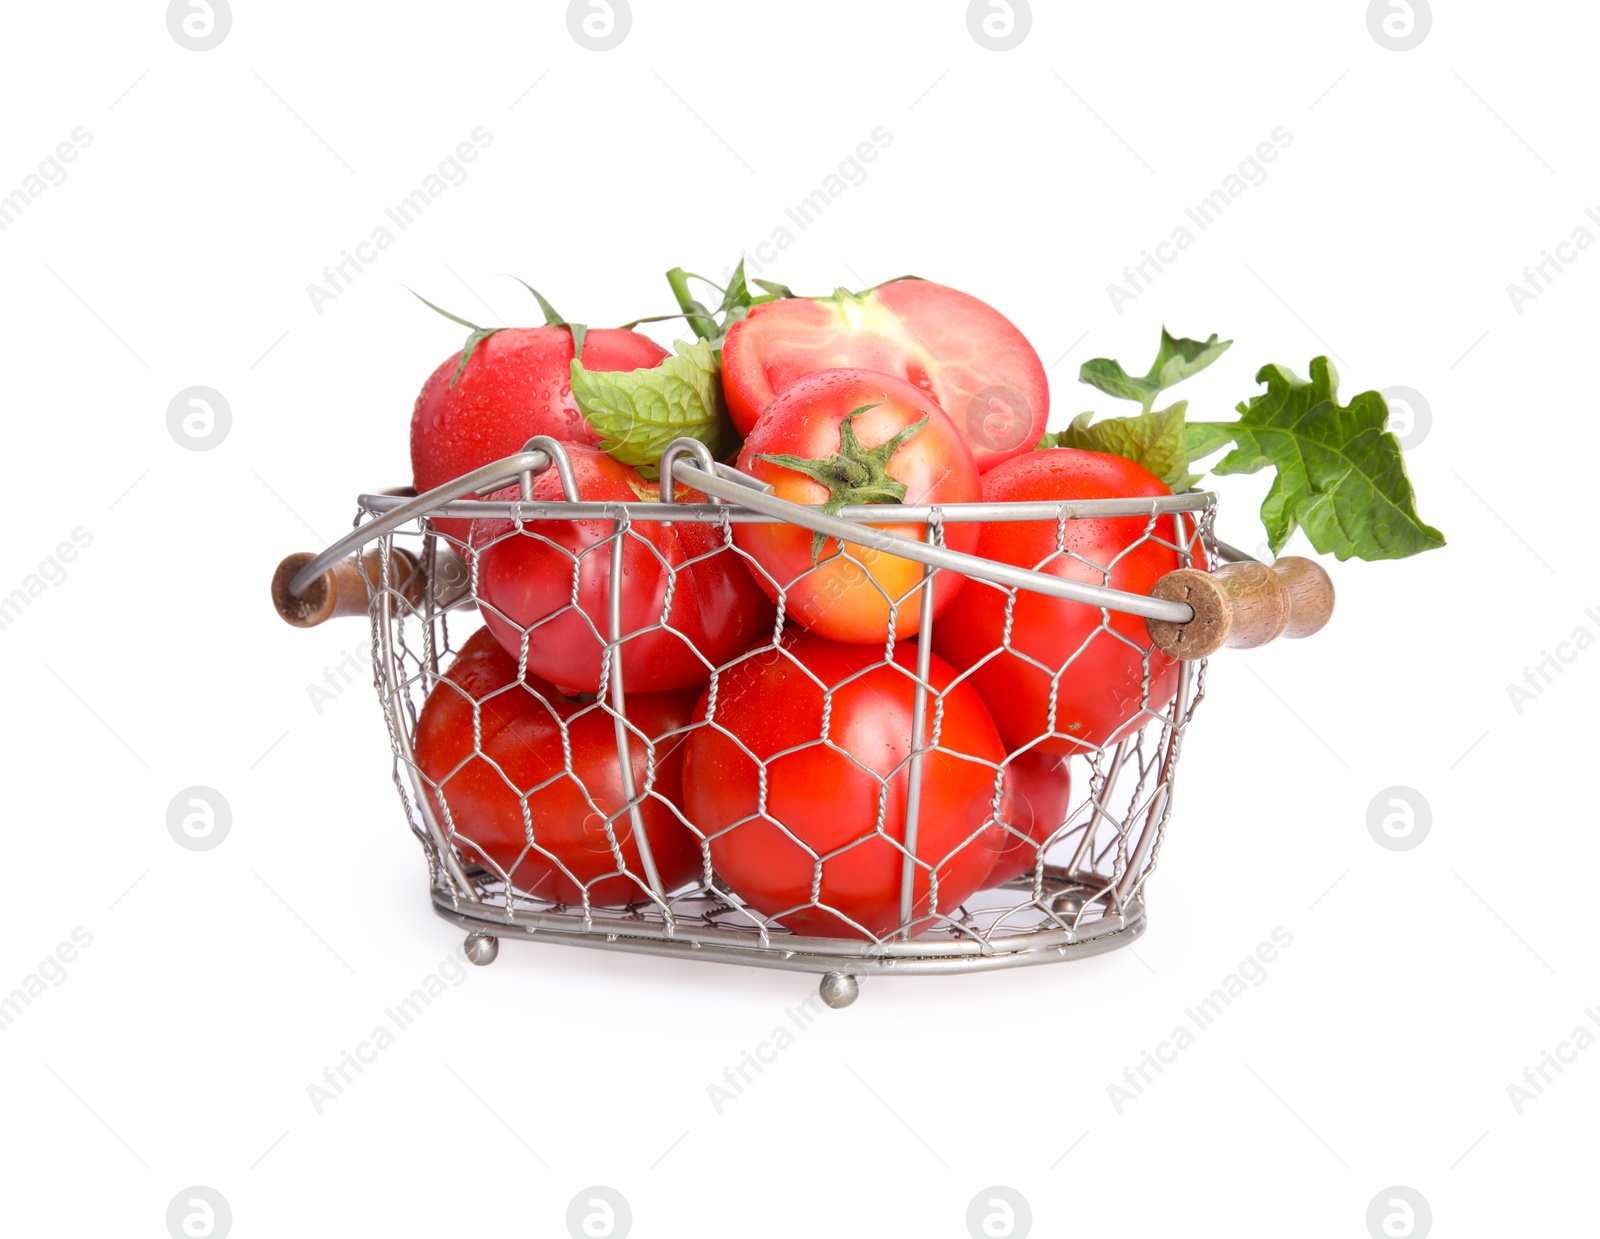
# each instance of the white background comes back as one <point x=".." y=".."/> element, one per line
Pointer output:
<point x="219" y="984"/>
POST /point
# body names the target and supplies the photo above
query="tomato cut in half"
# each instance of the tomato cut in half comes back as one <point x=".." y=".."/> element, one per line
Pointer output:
<point x="1108" y="676"/>
<point x="855" y="437"/>
<point x="966" y="356"/>
<point x="818" y="841"/>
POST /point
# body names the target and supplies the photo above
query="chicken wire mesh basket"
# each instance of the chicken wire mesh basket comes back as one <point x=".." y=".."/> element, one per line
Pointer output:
<point x="562" y="816"/>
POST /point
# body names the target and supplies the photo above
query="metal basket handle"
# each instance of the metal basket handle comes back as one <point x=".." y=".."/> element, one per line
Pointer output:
<point x="1190" y="613"/>
<point x="1007" y="575"/>
<point x="1240" y="604"/>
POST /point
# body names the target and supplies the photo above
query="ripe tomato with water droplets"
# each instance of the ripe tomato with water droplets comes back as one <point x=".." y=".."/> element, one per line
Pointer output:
<point x="1100" y="660"/>
<point x="1037" y="794"/>
<point x="517" y="384"/>
<point x="836" y="767"/>
<point x="582" y="835"/>
<point x="526" y="582"/>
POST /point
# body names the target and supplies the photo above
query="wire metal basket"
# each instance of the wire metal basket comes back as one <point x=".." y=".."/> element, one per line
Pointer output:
<point x="1080" y="892"/>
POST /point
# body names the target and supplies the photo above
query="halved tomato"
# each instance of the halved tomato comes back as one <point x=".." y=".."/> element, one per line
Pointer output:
<point x="969" y="358"/>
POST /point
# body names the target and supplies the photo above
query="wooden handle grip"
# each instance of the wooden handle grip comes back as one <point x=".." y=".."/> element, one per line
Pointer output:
<point x="343" y="588"/>
<point x="1310" y="595"/>
<point x="1243" y="605"/>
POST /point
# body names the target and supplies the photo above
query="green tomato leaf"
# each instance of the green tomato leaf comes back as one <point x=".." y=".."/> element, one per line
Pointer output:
<point x="1176" y="360"/>
<point x="1111" y="378"/>
<point x="1341" y="476"/>
<point x="638" y="412"/>
<point x="773" y="289"/>
<point x="1202" y="439"/>
<point x="1154" y="440"/>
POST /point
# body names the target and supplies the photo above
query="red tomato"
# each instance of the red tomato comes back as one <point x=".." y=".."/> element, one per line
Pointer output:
<point x="967" y="357"/>
<point x="1102" y="663"/>
<point x="815" y="817"/>
<point x="517" y="384"/>
<point x="526" y="582"/>
<point x="1037" y="796"/>
<point x="848" y="599"/>
<point x="520" y="754"/>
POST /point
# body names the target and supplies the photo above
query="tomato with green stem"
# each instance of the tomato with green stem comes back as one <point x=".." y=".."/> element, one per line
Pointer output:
<point x="505" y="387"/>
<point x="850" y="437"/>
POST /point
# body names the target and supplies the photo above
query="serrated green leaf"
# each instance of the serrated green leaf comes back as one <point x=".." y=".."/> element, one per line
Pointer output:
<point x="1154" y="440"/>
<point x="1177" y="359"/>
<point x="1111" y="378"/>
<point x="638" y="412"/>
<point x="1201" y="439"/>
<point x="1340" y="474"/>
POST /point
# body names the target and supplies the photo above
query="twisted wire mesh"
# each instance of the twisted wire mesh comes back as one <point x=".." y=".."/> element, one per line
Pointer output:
<point x="1086" y="872"/>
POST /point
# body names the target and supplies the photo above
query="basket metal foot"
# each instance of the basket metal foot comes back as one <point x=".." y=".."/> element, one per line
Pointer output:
<point x="482" y="948"/>
<point x="839" y="989"/>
